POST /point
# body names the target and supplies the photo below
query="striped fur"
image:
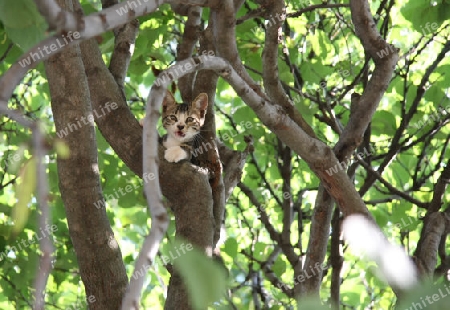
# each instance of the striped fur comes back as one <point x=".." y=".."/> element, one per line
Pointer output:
<point x="183" y="123"/>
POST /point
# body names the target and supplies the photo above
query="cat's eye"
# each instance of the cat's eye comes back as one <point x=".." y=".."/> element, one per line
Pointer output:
<point x="173" y="118"/>
<point x="189" y="120"/>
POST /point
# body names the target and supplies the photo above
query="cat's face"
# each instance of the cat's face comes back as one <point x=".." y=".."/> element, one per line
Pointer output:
<point x="183" y="121"/>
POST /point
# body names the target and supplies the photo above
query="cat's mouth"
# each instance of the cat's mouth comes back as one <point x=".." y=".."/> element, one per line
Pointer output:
<point x="180" y="134"/>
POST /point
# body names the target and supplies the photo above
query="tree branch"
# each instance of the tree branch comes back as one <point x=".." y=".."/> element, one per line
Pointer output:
<point x="160" y="219"/>
<point x="271" y="79"/>
<point x="46" y="246"/>
<point x="97" y="250"/>
<point x="70" y="30"/>
<point x="362" y="112"/>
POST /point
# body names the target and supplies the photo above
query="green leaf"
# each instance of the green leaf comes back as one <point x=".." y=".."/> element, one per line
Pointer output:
<point x="18" y="13"/>
<point x="231" y="247"/>
<point x="136" y="66"/>
<point x="260" y="250"/>
<point x="381" y="217"/>
<point x="431" y="296"/>
<point x="15" y="159"/>
<point x="23" y="23"/>
<point x="204" y="278"/>
<point x="437" y="13"/>
<point x="279" y="267"/>
<point x="310" y="303"/>
<point x="383" y="122"/>
<point x="444" y="79"/>
<point x="24" y="193"/>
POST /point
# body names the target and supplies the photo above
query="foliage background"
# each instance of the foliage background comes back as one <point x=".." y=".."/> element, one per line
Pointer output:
<point x="323" y="49"/>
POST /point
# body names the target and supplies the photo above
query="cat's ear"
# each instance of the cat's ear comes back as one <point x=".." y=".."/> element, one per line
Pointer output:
<point x="201" y="103"/>
<point x="168" y="102"/>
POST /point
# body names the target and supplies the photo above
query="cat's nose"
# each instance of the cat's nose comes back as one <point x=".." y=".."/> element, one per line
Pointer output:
<point x="180" y="127"/>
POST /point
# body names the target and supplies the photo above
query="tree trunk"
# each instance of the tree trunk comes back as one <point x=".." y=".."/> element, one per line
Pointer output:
<point x="98" y="254"/>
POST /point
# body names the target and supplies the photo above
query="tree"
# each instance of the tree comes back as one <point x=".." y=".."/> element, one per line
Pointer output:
<point x="318" y="111"/>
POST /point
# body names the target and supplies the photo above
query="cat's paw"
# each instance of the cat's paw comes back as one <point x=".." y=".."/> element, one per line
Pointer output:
<point x="174" y="154"/>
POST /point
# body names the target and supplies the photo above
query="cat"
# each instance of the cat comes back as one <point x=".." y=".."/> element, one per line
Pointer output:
<point x="182" y="123"/>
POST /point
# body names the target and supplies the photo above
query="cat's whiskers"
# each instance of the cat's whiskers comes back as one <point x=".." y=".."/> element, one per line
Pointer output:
<point x="197" y="139"/>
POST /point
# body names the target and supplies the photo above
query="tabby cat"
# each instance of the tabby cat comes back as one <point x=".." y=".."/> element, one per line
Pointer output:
<point x="183" y="123"/>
